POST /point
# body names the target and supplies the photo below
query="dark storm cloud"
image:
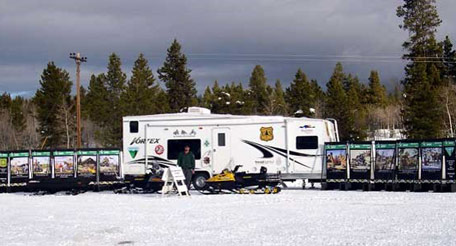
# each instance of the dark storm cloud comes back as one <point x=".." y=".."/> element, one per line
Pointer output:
<point x="223" y="39"/>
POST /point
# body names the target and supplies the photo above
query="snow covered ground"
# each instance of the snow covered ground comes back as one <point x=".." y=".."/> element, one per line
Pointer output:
<point x="293" y="217"/>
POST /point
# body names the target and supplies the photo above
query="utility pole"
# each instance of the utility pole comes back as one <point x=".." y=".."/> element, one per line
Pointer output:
<point x="78" y="59"/>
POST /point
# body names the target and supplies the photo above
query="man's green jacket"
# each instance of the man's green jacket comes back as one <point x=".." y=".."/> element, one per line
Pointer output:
<point x="186" y="161"/>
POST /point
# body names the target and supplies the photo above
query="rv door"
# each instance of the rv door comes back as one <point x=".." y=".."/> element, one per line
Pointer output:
<point x="221" y="149"/>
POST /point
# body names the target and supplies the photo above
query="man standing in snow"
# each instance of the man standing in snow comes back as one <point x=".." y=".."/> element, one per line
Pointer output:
<point x="186" y="160"/>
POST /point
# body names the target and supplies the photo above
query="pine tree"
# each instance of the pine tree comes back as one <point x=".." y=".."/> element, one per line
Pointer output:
<point x="208" y="98"/>
<point x="96" y="102"/>
<point x="395" y="97"/>
<point x="356" y="109"/>
<point x="114" y="80"/>
<point x="237" y="98"/>
<point x="258" y="90"/>
<point x="279" y="99"/>
<point x="162" y="97"/>
<point x="319" y="98"/>
<point x="337" y="103"/>
<point x="421" y="99"/>
<point x="140" y="95"/>
<point x="84" y="109"/>
<point x="317" y="92"/>
<point x="228" y="99"/>
<point x="17" y="114"/>
<point x="422" y="113"/>
<point x="17" y="117"/>
<point x="449" y="60"/>
<point x="227" y="102"/>
<point x="217" y="99"/>
<point x="420" y="19"/>
<point x="377" y="92"/>
<point x="448" y="91"/>
<point x="176" y="76"/>
<point x="53" y="95"/>
<point x="300" y="95"/>
<point x="5" y="101"/>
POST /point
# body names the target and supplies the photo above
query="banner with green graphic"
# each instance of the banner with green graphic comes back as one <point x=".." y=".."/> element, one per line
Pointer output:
<point x="431" y="160"/>
<point x="109" y="161"/>
<point x="408" y="156"/>
<point x="41" y="164"/>
<point x="431" y="155"/>
<point x="360" y="161"/>
<point x="408" y="160"/>
<point x="385" y="154"/>
<point x="3" y="168"/>
<point x="450" y="159"/>
<point x="360" y="156"/>
<point x="87" y="163"/>
<point x="19" y="165"/>
<point x="336" y="160"/>
<point x="63" y="164"/>
<point x="385" y="160"/>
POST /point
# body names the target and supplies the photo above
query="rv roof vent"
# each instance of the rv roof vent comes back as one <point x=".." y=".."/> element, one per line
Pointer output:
<point x="198" y="110"/>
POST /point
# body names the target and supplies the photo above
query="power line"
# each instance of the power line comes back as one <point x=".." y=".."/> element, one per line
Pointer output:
<point x="400" y="57"/>
<point x="272" y="59"/>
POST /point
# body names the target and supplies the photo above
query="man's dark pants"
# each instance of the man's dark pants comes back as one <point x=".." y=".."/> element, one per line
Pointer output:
<point x="188" y="177"/>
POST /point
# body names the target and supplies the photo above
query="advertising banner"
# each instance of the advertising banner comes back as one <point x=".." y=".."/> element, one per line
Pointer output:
<point x="19" y="165"/>
<point x="385" y="160"/>
<point x="360" y="160"/>
<point x="431" y="160"/>
<point x="408" y="160"/>
<point x="448" y="151"/>
<point x="41" y="164"/>
<point x="63" y="164"/>
<point x="87" y="163"/>
<point x="336" y="160"/>
<point x="109" y="161"/>
<point x="3" y="168"/>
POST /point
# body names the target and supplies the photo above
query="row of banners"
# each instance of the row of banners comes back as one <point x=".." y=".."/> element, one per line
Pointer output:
<point x="18" y="166"/>
<point x="391" y="160"/>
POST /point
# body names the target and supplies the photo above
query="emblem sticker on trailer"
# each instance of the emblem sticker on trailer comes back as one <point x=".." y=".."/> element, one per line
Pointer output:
<point x="159" y="149"/>
<point x="183" y="133"/>
<point x="266" y="133"/>
<point x="133" y="151"/>
<point x="310" y="128"/>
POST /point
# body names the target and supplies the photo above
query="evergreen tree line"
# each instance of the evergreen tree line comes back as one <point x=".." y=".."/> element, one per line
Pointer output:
<point x="360" y="109"/>
<point x="424" y="105"/>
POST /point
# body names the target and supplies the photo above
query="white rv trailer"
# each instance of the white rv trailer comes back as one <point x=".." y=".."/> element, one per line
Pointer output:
<point x="291" y="146"/>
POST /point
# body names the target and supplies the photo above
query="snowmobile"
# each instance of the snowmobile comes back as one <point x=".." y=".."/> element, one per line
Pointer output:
<point x="149" y="183"/>
<point x="243" y="183"/>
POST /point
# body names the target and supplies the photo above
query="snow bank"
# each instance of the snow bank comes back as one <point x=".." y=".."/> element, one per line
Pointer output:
<point x="293" y="217"/>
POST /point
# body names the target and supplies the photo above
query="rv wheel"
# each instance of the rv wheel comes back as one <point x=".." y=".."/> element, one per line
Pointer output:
<point x="199" y="181"/>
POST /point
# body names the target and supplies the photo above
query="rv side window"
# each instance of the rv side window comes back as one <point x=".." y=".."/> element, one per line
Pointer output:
<point x="307" y="142"/>
<point x="134" y="126"/>
<point x="221" y="139"/>
<point x="177" y="146"/>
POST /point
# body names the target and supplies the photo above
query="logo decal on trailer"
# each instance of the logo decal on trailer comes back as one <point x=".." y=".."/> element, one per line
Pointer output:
<point x="133" y="151"/>
<point x="267" y="133"/>
<point x="183" y="133"/>
<point x="159" y="149"/>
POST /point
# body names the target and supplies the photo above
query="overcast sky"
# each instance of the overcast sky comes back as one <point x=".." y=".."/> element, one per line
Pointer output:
<point x="223" y="40"/>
